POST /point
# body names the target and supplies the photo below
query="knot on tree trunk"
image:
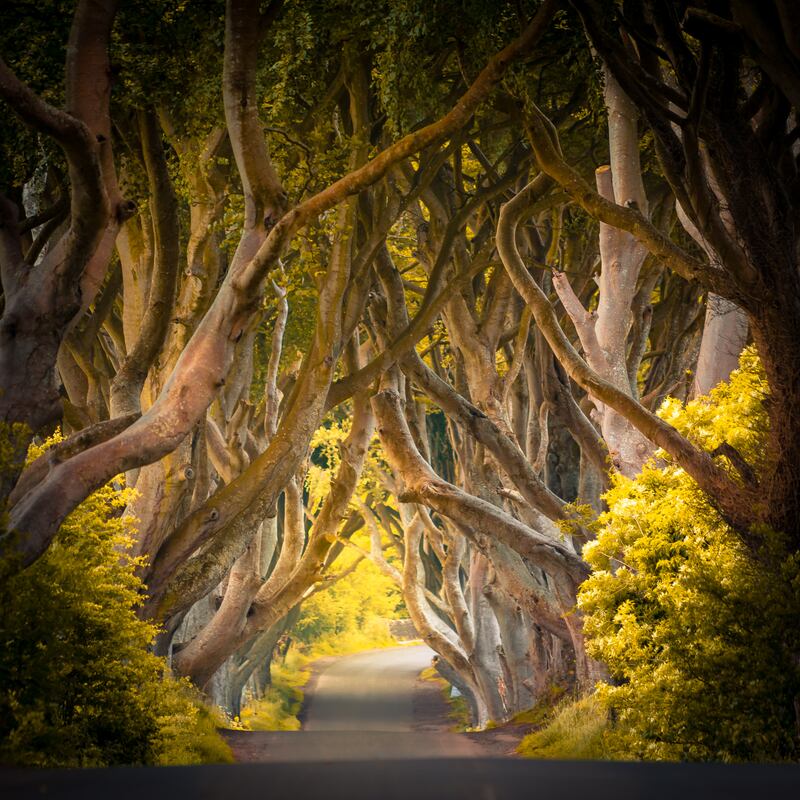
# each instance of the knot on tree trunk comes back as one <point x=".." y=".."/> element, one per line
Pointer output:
<point x="125" y="210"/>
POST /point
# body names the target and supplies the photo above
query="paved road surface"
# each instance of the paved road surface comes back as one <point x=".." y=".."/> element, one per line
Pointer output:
<point x="361" y="708"/>
<point x="445" y="779"/>
<point x="370" y="691"/>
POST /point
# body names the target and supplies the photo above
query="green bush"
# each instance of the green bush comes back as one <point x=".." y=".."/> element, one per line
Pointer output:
<point x="700" y="637"/>
<point x="187" y="728"/>
<point x="78" y="686"/>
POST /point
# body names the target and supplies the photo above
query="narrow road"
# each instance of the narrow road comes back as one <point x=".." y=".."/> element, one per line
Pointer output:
<point x="361" y="707"/>
<point x="370" y="691"/>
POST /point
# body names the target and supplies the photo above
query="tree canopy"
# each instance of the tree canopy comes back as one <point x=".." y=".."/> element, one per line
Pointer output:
<point x="426" y="284"/>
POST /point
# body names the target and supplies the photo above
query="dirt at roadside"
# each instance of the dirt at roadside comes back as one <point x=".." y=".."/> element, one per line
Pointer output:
<point x="502" y="741"/>
<point x="432" y="714"/>
<point x="248" y="746"/>
<point x="315" y="669"/>
<point x="431" y="710"/>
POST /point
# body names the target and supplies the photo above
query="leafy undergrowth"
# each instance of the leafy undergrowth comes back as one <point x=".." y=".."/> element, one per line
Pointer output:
<point x="79" y="686"/>
<point x="189" y="732"/>
<point x="277" y="710"/>
<point x="573" y="730"/>
<point x="696" y="622"/>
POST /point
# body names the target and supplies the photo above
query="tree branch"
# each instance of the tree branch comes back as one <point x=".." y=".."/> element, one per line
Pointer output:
<point x="699" y="464"/>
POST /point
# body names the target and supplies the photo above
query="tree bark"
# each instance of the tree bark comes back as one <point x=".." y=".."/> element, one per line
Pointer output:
<point x="204" y="363"/>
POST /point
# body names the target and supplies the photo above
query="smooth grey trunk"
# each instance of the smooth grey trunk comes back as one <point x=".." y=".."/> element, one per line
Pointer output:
<point x="604" y="334"/>
<point x="725" y="327"/>
<point x="487" y="657"/>
<point x="724" y="336"/>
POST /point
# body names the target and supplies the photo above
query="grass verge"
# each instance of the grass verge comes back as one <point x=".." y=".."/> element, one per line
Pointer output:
<point x="190" y="733"/>
<point x="574" y="730"/>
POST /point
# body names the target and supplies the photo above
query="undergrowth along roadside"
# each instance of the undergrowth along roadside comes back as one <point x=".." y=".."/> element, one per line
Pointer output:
<point x="573" y="730"/>
<point x="79" y="685"/>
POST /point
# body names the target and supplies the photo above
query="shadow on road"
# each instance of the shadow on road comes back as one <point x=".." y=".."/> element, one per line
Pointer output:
<point x="434" y="779"/>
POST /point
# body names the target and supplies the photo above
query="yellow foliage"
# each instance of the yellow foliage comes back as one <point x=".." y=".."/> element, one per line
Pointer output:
<point x="353" y="610"/>
<point x="78" y="685"/>
<point x="698" y="635"/>
<point x="577" y="730"/>
<point x="277" y="710"/>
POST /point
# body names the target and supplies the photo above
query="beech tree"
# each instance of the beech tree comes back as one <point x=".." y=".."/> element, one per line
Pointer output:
<point x="495" y="239"/>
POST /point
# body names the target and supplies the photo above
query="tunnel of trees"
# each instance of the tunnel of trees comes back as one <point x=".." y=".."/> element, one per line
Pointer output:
<point x="447" y="284"/>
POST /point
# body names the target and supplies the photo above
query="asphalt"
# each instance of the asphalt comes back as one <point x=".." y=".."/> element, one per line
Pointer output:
<point x="442" y="779"/>
<point x="370" y="691"/>
<point x="361" y="707"/>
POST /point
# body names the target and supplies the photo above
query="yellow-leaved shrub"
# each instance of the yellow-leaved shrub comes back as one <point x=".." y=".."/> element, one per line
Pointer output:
<point x="78" y="684"/>
<point x="700" y="636"/>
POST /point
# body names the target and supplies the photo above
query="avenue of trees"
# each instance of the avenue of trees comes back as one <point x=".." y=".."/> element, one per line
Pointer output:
<point x="411" y="281"/>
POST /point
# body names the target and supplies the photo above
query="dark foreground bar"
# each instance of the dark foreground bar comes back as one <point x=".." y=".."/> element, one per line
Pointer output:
<point x="431" y="779"/>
